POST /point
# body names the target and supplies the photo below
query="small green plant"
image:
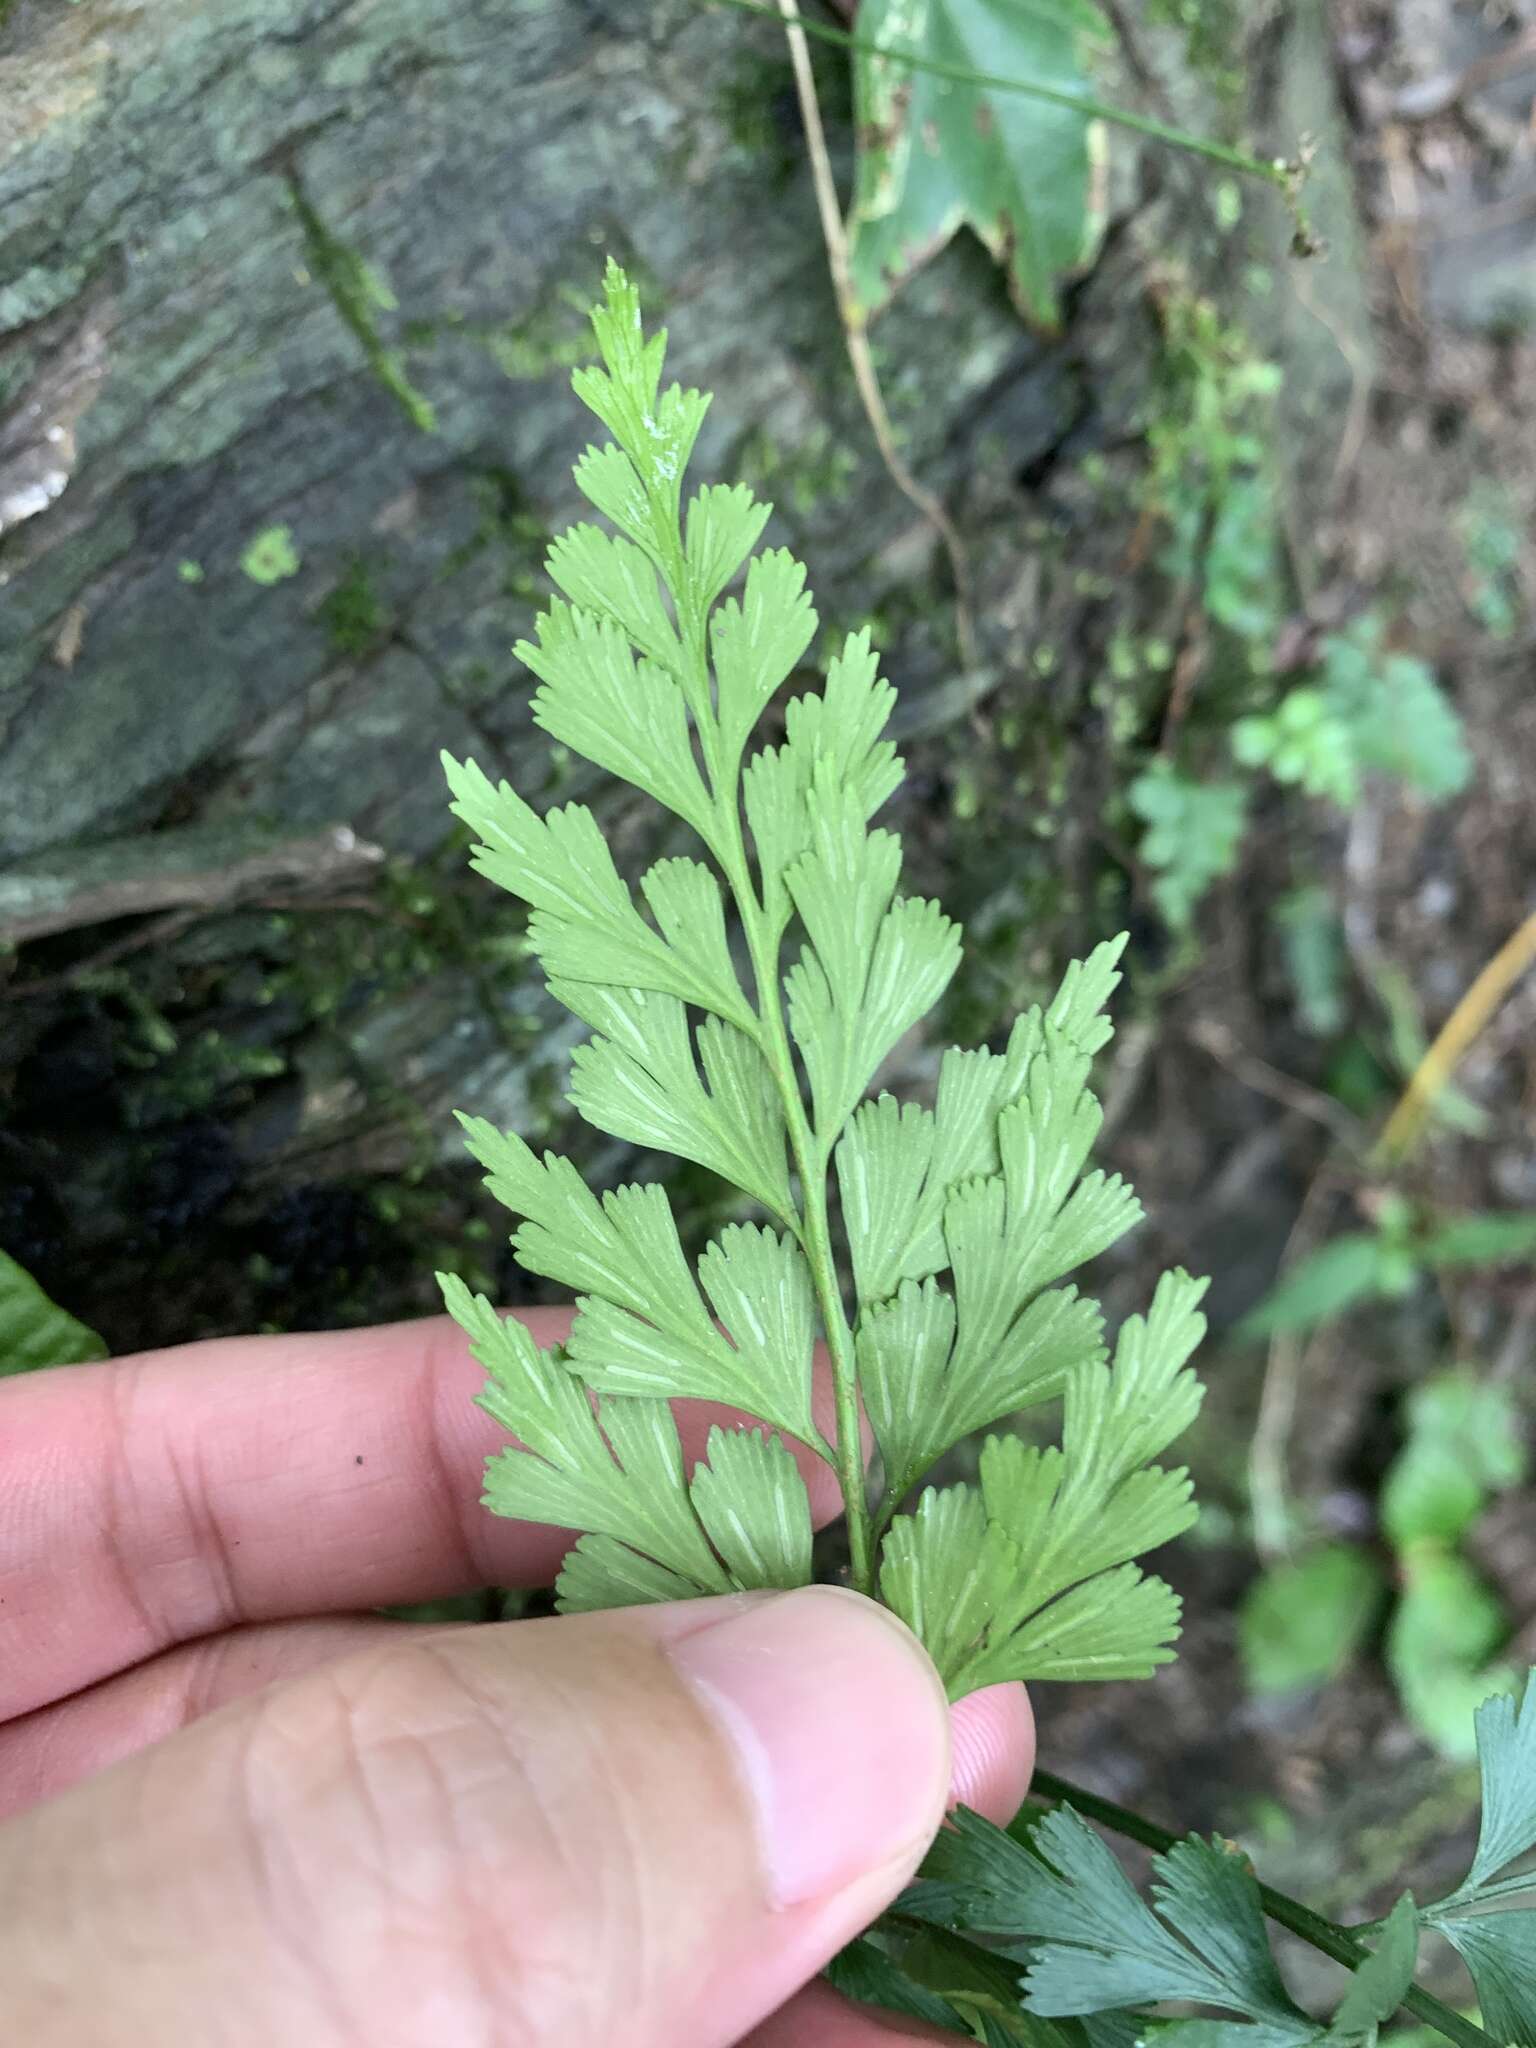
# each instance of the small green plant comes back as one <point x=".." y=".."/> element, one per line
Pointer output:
<point x="1363" y="709"/>
<point x="1194" y="830"/>
<point x="1312" y="945"/>
<point x="1305" y="1617"/>
<point x="1370" y="710"/>
<point x="1387" y="1262"/>
<point x="939" y="1297"/>
<point x="1303" y="1620"/>
<point x="1492" y="540"/>
<point x="1206" y="447"/>
<point x="1464" y="1446"/>
<point x="270" y="556"/>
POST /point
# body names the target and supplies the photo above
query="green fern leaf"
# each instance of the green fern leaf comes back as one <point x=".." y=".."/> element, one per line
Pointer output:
<point x="708" y="1044"/>
<point x="751" y="1500"/>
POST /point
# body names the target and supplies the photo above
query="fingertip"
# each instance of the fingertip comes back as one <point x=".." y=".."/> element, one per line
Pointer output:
<point x="993" y="1747"/>
<point x="838" y="1725"/>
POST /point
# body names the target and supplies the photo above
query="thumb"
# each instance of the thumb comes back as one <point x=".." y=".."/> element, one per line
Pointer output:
<point x="645" y="1829"/>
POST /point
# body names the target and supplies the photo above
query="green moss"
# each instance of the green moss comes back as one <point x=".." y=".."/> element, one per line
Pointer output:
<point x="553" y="337"/>
<point x="270" y="556"/>
<point x="359" y="295"/>
<point x="801" y="478"/>
<point x="1212" y="32"/>
<point x="748" y="102"/>
<point x="354" y="615"/>
<point x="507" y="526"/>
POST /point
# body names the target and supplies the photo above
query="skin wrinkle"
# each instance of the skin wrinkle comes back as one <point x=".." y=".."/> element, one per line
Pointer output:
<point x="540" y="1975"/>
<point x="466" y="1916"/>
<point x="426" y="1394"/>
<point x="159" y="1697"/>
<point x="19" y="1799"/>
<point x="649" y="1940"/>
<point x="283" y="1896"/>
<point x="625" y="1868"/>
<point x="123" y="1390"/>
<point x="249" y="1813"/>
<point x="206" y="1543"/>
<point x="473" y="1916"/>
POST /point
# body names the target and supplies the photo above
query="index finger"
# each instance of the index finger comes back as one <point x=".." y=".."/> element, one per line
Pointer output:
<point x="151" y="1500"/>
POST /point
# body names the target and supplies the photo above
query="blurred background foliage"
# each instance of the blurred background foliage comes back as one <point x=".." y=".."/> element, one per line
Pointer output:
<point x="1244" y="540"/>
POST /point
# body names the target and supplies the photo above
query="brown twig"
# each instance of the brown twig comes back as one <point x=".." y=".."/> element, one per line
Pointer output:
<point x="329" y="857"/>
<point x="1455" y="1038"/>
<point x="1263" y="1079"/>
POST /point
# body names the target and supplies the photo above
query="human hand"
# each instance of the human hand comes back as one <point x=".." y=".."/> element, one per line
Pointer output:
<point x="236" y="1809"/>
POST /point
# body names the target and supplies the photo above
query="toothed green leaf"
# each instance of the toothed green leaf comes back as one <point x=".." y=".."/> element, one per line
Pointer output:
<point x="761" y="1290"/>
<point x="1092" y="1944"/>
<point x="757" y="641"/>
<point x="1500" y="1952"/>
<point x="1041" y="1554"/>
<point x="873" y="966"/>
<point x="601" y="1573"/>
<point x="724" y="524"/>
<point x="918" y="1407"/>
<point x="638" y="1078"/>
<point x="685" y="898"/>
<point x="628" y="717"/>
<point x="752" y="1502"/>
<point x="1378" y="1987"/>
<point x="585" y="926"/>
<point x="615" y="1469"/>
<point x="898" y="1164"/>
<point x="1506" y="1757"/>
<point x="615" y="581"/>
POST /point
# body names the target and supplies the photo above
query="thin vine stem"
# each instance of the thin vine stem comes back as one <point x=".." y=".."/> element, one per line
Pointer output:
<point x="855" y="327"/>
<point x="1325" y="1935"/>
<point x="1274" y="171"/>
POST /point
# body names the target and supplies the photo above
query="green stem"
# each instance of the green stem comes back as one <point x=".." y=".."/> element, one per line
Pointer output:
<point x="811" y="1166"/>
<point x="1325" y="1935"/>
<point x="807" y="1151"/>
<point x="1271" y="171"/>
